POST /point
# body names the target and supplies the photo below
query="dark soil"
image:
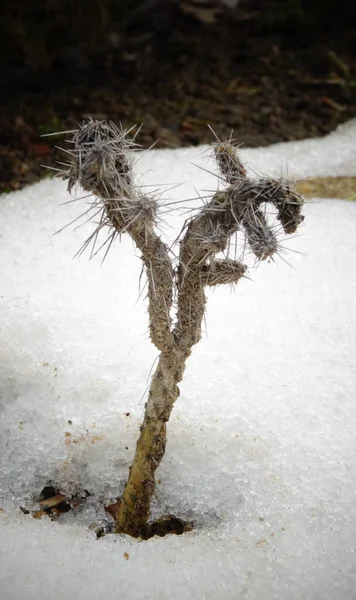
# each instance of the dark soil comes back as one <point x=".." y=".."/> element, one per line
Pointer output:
<point x="53" y="504"/>
<point x="176" y="75"/>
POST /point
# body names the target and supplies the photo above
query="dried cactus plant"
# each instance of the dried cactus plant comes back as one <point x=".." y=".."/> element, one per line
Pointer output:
<point x="101" y="162"/>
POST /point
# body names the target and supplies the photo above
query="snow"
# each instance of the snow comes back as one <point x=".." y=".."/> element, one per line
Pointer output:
<point x="261" y="447"/>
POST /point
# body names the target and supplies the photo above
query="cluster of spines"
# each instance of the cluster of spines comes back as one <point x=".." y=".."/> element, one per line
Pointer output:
<point x="100" y="156"/>
<point x="242" y="205"/>
<point x="100" y="161"/>
<point x="230" y="165"/>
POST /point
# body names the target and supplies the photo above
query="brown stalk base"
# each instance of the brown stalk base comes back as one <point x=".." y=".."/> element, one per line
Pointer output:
<point x="134" y="509"/>
<point x="166" y="525"/>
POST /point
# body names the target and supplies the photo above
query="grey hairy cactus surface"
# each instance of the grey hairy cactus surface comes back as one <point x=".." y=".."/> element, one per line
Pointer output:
<point x="101" y="160"/>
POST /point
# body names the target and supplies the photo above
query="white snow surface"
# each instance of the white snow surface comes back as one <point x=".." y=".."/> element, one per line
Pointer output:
<point x="261" y="450"/>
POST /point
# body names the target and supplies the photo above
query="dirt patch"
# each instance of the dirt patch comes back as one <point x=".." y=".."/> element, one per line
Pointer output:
<point x="176" y="75"/>
<point x="53" y="504"/>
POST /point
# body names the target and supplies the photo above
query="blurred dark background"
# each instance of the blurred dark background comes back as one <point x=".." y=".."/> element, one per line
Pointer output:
<point x="271" y="70"/>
